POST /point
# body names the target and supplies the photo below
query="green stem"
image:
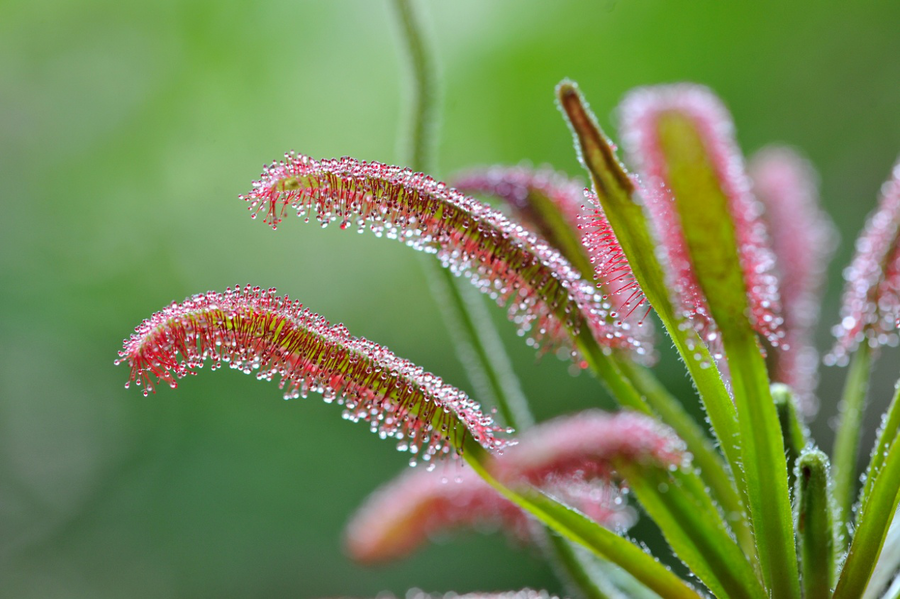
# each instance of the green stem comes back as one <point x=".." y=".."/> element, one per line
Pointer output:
<point x="479" y="346"/>
<point x="601" y="363"/>
<point x="477" y="341"/>
<point x="424" y="95"/>
<point x="585" y="532"/>
<point x="636" y="388"/>
<point x="574" y="570"/>
<point x="846" y="443"/>
<point x="764" y="462"/>
<point x="689" y="520"/>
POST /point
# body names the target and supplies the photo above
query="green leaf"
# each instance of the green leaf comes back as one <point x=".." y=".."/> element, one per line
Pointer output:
<point x="875" y="517"/>
<point x="256" y="331"/>
<point x="887" y="434"/>
<point x="572" y="568"/>
<point x="713" y="471"/>
<point x="615" y="192"/>
<point x="889" y="560"/>
<point x="616" y="581"/>
<point x="705" y="218"/>
<point x="709" y="232"/>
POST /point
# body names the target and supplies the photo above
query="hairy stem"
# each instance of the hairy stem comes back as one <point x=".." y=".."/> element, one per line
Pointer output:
<point x="712" y="469"/>
<point x="572" y="568"/>
<point x="887" y="434"/>
<point x="875" y="518"/>
<point x="764" y="462"/>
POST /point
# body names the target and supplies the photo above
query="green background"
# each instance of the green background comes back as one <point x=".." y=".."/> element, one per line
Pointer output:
<point x="128" y="129"/>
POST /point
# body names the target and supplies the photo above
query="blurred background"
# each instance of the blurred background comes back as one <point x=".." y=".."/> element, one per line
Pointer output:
<point x="129" y="129"/>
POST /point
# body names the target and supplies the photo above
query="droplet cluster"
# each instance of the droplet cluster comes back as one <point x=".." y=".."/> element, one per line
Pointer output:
<point x="871" y="303"/>
<point x="803" y="240"/>
<point x="611" y="265"/>
<point x="544" y="296"/>
<point x="640" y="113"/>
<point x="256" y="331"/>
<point x="419" y="505"/>
<point x="522" y="187"/>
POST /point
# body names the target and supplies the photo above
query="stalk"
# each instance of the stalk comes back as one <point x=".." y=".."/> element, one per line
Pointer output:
<point x="887" y="433"/>
<point x="846" y="443"/>
<point x="477" y="341"/>
<point x="875" y="518"/>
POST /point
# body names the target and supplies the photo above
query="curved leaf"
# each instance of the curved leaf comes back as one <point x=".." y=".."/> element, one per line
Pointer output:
<point x="544" y="295"/>
<point x="254" y="330"/>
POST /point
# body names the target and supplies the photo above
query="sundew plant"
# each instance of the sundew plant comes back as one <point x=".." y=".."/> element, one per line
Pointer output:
<point x="678" y="238"/>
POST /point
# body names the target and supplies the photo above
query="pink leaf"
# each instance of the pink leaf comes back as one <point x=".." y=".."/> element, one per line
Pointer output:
<point x="543" y="294"/>
<point x="640" y="113"/>
<point x="871" y="302"/>
<point x="526" y="189"/>
<point x="256" y="331"/>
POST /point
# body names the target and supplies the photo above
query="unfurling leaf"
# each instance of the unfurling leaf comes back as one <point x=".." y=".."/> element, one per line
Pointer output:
<point x="545" y="296"/>
<point x="254" y="330"/>
<point x="815" y="524"/>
